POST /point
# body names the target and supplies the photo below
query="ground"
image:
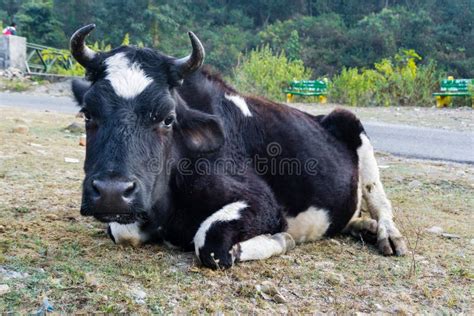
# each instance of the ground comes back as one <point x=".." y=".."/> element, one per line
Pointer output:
<point x="51" y="257"/>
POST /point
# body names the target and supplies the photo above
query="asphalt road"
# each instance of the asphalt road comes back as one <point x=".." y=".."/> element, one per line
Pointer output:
<point x="401" y="140"/>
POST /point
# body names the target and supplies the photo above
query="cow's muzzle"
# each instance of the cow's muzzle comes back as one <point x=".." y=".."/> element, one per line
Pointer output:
<point x="111" y="200"/>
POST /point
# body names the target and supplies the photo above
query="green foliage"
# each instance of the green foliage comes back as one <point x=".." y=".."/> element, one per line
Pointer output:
<point x="61" y="62"/>
<point x="38" y="20"/>
<point x="327" y="36"/>
<point x="264" y="73"/>
<point x="126" y="40"/>
<point x="395" y="81"/>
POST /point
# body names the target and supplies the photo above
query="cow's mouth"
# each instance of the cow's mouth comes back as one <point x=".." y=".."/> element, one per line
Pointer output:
<point x="125" y="218"/>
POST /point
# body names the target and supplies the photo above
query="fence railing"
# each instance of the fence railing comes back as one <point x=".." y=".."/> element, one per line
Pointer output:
<point x="41" y="59"/>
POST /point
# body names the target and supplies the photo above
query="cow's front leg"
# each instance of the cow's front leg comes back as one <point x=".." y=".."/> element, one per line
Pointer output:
<point x="236" y="233"/>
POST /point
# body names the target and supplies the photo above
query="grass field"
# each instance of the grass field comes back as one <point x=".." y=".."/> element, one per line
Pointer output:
<point x="48" y="251"/>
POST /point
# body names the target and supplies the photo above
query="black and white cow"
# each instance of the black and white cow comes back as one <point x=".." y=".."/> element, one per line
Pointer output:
<point x="176" y="155"/>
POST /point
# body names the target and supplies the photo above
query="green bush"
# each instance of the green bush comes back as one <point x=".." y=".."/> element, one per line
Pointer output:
<point x="262" y="72"/>
<point x="392" y="82"/>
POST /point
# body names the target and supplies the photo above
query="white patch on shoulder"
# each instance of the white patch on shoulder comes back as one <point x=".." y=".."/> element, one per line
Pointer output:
<point x="127" y="80"/>
<point x="228" y="213"/>
<point x="240" y="103"/>
<point x="127" y="234"/>
<point x="309" y="225"/>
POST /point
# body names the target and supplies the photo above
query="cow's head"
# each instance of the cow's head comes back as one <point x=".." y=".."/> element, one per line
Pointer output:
<point x="137" y="127"/>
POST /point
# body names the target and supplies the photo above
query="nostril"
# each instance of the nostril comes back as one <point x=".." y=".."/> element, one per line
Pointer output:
<point x="130" y="189"/>
<point x="96" y="187"/>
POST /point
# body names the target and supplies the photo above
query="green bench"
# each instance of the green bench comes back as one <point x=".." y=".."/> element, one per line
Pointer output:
<point x="307" y="88"/>
<point x="450" y="88"/>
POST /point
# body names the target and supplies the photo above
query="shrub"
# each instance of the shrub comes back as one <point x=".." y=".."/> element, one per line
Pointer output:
<point x="263" y="72"/>
<point x="394" y="81"/>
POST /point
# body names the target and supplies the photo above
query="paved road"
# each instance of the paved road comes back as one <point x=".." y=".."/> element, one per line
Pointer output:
<point x="402" y="140"/>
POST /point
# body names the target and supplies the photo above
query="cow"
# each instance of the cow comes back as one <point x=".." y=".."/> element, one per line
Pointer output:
<point x="176" y="155"/>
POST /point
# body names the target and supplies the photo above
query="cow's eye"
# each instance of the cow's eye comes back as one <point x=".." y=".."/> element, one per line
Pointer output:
<point x="168" y="121"/>
<point x="87" y="115"/>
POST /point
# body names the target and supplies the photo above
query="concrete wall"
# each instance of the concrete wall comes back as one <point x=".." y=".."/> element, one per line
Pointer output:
<point x="13" y="52"/>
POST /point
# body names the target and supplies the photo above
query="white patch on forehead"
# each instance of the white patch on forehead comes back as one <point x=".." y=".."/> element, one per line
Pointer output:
<point x="127" y="80"/>
<point x="240" y="103"/>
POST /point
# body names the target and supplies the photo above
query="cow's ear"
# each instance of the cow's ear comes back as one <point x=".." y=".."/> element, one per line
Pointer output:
<point x="79" y="89"/>
<point x="199" y="131"/>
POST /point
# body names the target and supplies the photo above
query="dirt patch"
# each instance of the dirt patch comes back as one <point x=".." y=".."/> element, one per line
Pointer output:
<point x="51" y="258"/>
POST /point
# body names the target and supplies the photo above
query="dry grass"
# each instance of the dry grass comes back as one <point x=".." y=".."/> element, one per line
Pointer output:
<point x="69" y="259"/>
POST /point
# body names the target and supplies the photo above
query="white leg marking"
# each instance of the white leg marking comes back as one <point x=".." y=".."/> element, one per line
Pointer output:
<point x="127" y="80"/>
<point x="240" y="103"/>
<point x="127" y="234"/>
<point x="228" y="213"/>
<point x="263" y="247"/>
<point x="309" y="225"/>
<point x="378" y="204"/>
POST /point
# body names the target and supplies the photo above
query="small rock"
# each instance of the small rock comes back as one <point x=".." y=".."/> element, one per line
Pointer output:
<point x="91" y="280"/>
<point x="379" y="307"/>
<point x="52" y="217"/>
<point x="269" y="292"/>
<point x="279" y="298"/>
<point x="471" y="242"/>
<point x="335" y="242"/>
<point x="75" y="127"/>
<point x="435" y="230"/>
<point x="2" y="229"/>
<point x="20" y="121"/>
<point x="4" y="289"/>
<point x="323" y="265"/>
<point x="335" y="278"/>
<point x="414" y="184"/>
<point x="21" y="129"/>
<point x="267" y="287"/>
<point x="71" y="160"/>
<point x="450" y="236"/>
<point x="138" y="295"/>
<point x="82" y="140"/>
<point x="6" y="274"/>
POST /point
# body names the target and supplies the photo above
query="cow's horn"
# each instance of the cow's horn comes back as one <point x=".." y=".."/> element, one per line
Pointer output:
<point x="79" y="49"/>
<point x="191" y="63"/>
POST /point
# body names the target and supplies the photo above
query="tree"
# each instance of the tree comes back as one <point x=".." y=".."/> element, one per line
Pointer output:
<point x="39" y="24"/>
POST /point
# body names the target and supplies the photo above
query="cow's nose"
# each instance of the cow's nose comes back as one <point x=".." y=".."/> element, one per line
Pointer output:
<point x="113" y="195"/>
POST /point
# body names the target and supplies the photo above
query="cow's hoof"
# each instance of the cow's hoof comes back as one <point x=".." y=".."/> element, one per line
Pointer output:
<point x="285" y="240"/>
<point x="216" y="260"/>
<point x="389" y="239"/>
